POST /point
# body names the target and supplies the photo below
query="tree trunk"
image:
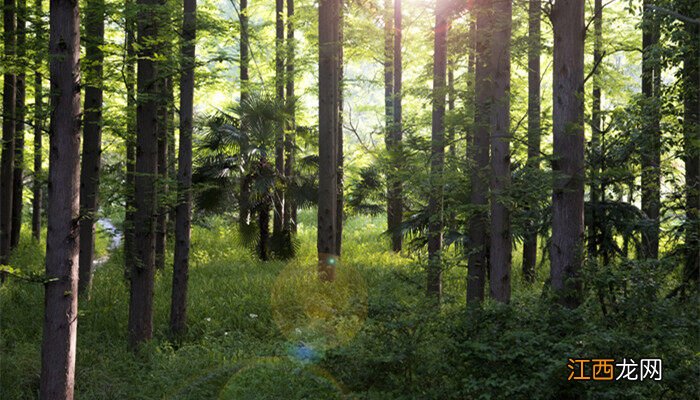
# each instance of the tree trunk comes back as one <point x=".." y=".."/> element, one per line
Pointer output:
<point x="390" y="129"/>
<point x="146" y="170"/>
<point x="593" y="224"/>
<point x="340" y="208"/>
<point x="533" y="129"/>
<point x="290" y="210"/>
<point x="278" y="197"/>
<point x="162" y="195"/>
<point x="58" y="345"/>
<point x="244" y="47"/>
<point x="479" y="155"/>
<point x="183" y="210"/>
<point x="500" y="248"/>
<point x="329" y="87"/>
<point x="8" y="136"/>
<point x="92" y="139"/>
<point x="567" y="199"/>
<point x="395" y="202"/>
<point x="20" y="114"/>
<point x="130" y="139"/>
<point x="38" y="123"/>
<point x="437" y="152"/>
<point x="651" y="145"/>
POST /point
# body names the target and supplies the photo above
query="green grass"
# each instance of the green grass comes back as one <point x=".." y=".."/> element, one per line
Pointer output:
<point x="399" y="347"/>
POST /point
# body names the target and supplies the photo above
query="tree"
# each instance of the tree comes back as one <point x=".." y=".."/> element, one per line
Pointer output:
<point x="533" y="127"/>
<point x="596" y="192"/>
<point x="62" y="248"/>
<point x="162" y="156"/>
<point x="183" y="210"/>
<point x="437" y="151"/>
<point x="8" y="134"/>
<point x="499" y="65"/>
<point x="38" y="121"/>
<point x="651" y="143"/>
<point x="329" y="30"/>
<point x="394" y="129"/>
<point x="567" y="199"/>
<point x="92" y="138"/>
<point x="130" y="137"/>
<point x="145" y="173"/>
<point x="290" y="211"/>
<point x="279" y="198"/>
<point x="20" y="114"/>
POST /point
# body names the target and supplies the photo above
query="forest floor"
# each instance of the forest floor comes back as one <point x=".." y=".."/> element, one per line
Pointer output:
<point x="390" y="343"/>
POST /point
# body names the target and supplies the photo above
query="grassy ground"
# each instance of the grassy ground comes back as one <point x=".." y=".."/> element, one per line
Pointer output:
<point x="389" y="343"/>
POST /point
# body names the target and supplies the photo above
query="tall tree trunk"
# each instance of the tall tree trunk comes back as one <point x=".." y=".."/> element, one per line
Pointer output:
<point x="329" y="102"/>
<point x="394" y="195"/>
<point x="533" y="129"/>
<point x="340" y="208"/>
<point x="651" y="145"/>
<point x="20" y="114"/>
<point x="244" y="49"/>
<point x="8" y="135"/>
<point x="691" y="127"/>
<point x="130" y="139"/>
<point x="593" y="224"/>
<point x="479" y="155"/>
<point x="146" y="170"/>
<point x="567" y="199"/>
<point x="38" y="122"/>
<point x="437" y="152"/>
<point x="290" y="207"/>
<point x="62" y="248"/>
<point x="500" y="254"/>
<point x="390" y="129"/>
<point x="278" y="197"/>
<point x="92" y="139"/>
<point x="162" y="195"/>
<point x="183" y="210"/>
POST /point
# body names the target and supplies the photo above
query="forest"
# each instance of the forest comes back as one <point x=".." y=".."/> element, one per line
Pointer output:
<point x="350" y="199"/>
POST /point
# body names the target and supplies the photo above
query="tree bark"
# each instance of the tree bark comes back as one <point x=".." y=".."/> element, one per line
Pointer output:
<point x="593" y="224"/>
<point x="651" y="144"/>
<point x="183" y="210"/>
<point x="8" y="135"/>
<point x="533" y="129"/>
<point x="500" y="254"/>
<point x="146" y="170"/>
<point x="479" y="155"/>
<point x="395" y="201"/>
<point x="20" y="114"/>
<point x="340" y="208"/>
<point x="278" y="197"/>
<point x="329" y="87"/>
<point x="244" y="47"/>
<point x="290" y="210"/>
<point x="62" y="248"/>
<point x="437" y="152"/>
<point x="567" y="199"/>
<point x="38" y="122"/>
<point x="130" y="139"/>
<point x="92" y="142"/>
<point x="389" y="127"/>
<point x="162" y="195"/>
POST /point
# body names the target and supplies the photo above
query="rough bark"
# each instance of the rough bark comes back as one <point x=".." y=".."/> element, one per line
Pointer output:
<point x="499" y="64"/>
<point x="58" y="345"/>
<point x="437" y="152"/>
<point x="183" y="210"/>
<point x="533" y="128"/>
<point x="651" y="144"/>
<point x="20" y="114"/>
<point x="92" y="139"/>
<point x="329" y="83"/>
<point x="568" y="167"/>
<point x="395" y="201"/>
<point x="8" y="135"/>
<point x="38" y="123"/>
<point x="145" y="171"/>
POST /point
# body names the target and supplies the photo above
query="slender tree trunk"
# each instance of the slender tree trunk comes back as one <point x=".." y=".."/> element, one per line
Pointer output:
<point x="395" y="202"/>
<point x="162" y="195"/>
<point x="479" y="156"/>
<point x="290" y="210"/>
<point x="437" y="152"/>
<point x="691" y="127"/>
<point x="244" y="50"/>
<point x="62" y="242"/>
<point x="651" y="145"/>
<point x="390" y="129"/>
<point x="146" y="170"/>
<point x="340" y="208"/>
<point x="20" y="114"/>
<point x="183" y="210"/>
<point x="130" y="82"/>
<point x="533" y="129"/>
<point x="92" y="142"/>
<point x="278" y="197"/>
<point x="329" y="87"/>
<point x="593" y="224"/>
<point x="567" y="201"/>
<point x="38" y="123"/>
<point x="500" y="254"/>
<point x="8" y="135"/>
